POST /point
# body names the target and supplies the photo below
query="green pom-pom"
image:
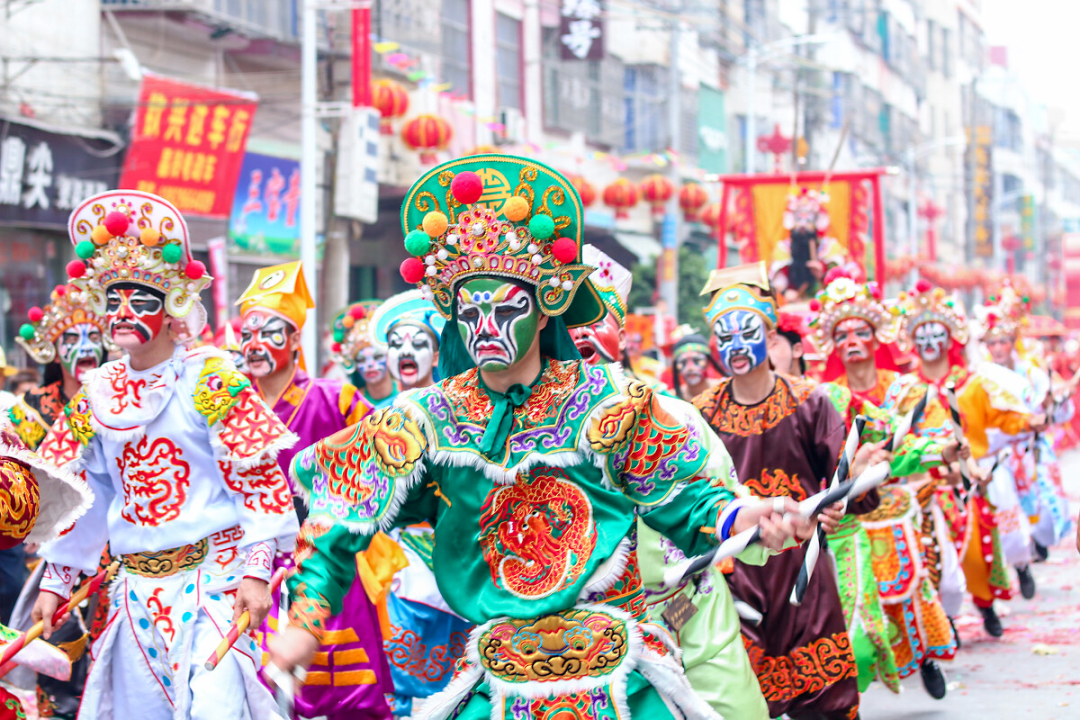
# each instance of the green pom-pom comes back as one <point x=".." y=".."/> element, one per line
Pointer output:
<point x="339" y="336"/>
<point x="417" y="243"/>
<point x="171" y="253"/>
<point x="541" y="226"/>
<point x="85" y="249"/>
<point x="26" y="331"/>
<point x="1025" y="299"/>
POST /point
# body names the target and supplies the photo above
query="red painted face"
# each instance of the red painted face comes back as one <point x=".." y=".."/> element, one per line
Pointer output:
<point x="265" y="342"/>
<point x="135" y="315"/>
<point x="600" y="342"/>
<point x="855" y="341"/>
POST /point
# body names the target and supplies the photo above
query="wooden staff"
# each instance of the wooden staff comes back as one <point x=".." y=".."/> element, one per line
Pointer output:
<point x="241" y="625"/>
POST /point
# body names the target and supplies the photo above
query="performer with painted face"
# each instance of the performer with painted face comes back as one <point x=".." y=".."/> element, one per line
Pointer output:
<point x="354" y="351"/>
<point x="785" y="438"/>
<point x="691" y="360"/>
<point x="531" y="466"/>
<point x="1026" y="490"/>
<point x="955" y="533"/>
<point x="407" y="328"/>
<point x="180" y="453"/>
<point x="894" y="615"/>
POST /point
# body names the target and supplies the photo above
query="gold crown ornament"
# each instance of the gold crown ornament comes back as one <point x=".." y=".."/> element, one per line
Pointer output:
<point x="843" y="299"/>
<point x="930" y="304"/>
<point x="502" y="215"/>
<point x="129" y="236"/>
<point x="68" y="308"/>
<point x="1004" y="313"/>
<point x="351" y="331"/>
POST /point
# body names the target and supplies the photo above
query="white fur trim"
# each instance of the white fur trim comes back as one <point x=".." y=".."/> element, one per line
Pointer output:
<point x="64" y="497"/>
<point x="608" y="572"/>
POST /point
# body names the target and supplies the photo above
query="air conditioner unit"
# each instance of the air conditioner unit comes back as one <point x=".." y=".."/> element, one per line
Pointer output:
<point x="513" y="127"/>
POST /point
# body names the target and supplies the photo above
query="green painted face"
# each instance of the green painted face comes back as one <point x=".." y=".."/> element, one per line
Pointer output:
<point x="497" y="320"/>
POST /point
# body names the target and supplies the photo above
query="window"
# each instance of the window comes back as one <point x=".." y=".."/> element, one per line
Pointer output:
<point x="583" y="95"/>
<point x="508" y="60"/>
<point x="455" y="47"/>
<point x="644" y="102"/>
<point x="946" y="53"/>
<point x="931" y="45"/>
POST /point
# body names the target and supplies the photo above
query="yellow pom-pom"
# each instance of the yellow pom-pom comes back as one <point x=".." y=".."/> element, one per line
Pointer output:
<point x="516" y="209"/>
<point x="149" y="237"/>
<point x="435" y="223"/>
<point x="348" y="321"/>
<point x="939" y="293"/>
<point x="903" y="296"/>
<point x="101" y="235"/>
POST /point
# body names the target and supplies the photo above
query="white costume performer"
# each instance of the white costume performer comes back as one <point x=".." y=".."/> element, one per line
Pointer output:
<point x="188" y="494"/>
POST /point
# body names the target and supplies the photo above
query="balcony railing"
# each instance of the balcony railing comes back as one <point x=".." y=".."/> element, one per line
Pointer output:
<point x="277" y="19"/>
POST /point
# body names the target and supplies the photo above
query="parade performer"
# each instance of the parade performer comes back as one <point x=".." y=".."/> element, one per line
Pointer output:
<point x="355" y="353"/>
<point x="531" y="466"/>
<point x="408" y="328"/>
<point x="691" y="359"/>
<point x="785" y="438"/>
<point x="69" y="340"/>
<point x="713" y="654"/>
<point x="955" y="533"/>
<point x="180" y="453"/>
<point x="786" y="350"/>
<point x="895" y="618"/>
<point x="1026" y="491"/>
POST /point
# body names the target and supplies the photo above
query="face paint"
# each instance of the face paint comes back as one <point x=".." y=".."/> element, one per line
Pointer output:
<point x="741" y="341"/>
<point x="931" y="340"/>
<point x="411" y="355"/>
<point x="1000" y="347"/>
<point x="691" y="365"/>
<point x="264" y="342"/>
<point x="135" y="315"/>
<point x="371" y="364"/>
<point x="497" y="321"/>
<point x="854" y="339"/>
<point x="633" y="344"/>
<point x="80" y="348"/>
<point x="599" y="343"/>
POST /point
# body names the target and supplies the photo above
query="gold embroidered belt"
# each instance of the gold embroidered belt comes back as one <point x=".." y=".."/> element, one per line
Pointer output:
<point x="167" y="562"/>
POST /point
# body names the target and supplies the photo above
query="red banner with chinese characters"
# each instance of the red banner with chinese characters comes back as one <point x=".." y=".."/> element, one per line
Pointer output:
<point x="188" y="144"/>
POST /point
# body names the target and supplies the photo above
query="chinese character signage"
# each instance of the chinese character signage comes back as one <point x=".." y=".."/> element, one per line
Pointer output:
<point x="188" y="144"/>
<point x="581" y="30"/>
<point x="44" y="175"/>
<point x="982" y="190"/>
<point x="356" y="184"/>
<point x="266" y="207"/>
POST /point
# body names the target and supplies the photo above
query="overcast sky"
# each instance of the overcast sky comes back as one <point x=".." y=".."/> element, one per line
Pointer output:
<point x="1044" y="48"/>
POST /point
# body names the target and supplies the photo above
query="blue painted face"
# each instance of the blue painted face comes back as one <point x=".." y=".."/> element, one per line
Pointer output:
<point x="741" y="340"/>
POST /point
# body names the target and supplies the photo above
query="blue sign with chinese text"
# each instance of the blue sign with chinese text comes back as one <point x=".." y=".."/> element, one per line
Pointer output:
<point x="265" y="214"/>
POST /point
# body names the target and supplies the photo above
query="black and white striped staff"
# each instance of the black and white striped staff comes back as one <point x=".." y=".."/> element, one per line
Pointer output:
<point x="958" y="432"/>
<point x="813" y="548"/>
<point x="809" y="508"/>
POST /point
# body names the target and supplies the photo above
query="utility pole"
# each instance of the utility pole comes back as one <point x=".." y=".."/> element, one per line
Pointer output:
<point x="309" y="162"/>
<point x="671" y="231"/>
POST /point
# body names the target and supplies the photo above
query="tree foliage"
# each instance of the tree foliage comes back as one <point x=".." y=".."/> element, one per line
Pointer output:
<point x="693" y="273"/>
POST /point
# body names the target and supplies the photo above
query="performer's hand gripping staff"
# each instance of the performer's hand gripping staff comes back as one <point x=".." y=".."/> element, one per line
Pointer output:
<point x="240" y="625"/>
<point x="970" y="473"/>
<point x="770" y="531"/>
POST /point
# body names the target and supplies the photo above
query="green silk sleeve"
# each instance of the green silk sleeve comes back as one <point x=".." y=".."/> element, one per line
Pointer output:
<point x="916" y="455"/>
<point x="323" y="576"/>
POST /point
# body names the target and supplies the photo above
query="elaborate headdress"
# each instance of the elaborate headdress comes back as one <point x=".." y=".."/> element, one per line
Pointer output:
<point x="129" y="236"/>
<point x="281" y="290"/>
<point x="736" y="288"/>
<point x="68" y="308"/>
<point x="806" y="208"/>
<point x="1004" y="313"/>
<point x="842" y="299"/>
<point x="409" y="306"/>
<point x="611" y="280"/>
<point x="351" y="332"/>
<point x="930" y="304"/>
<point x="500" y="215"/>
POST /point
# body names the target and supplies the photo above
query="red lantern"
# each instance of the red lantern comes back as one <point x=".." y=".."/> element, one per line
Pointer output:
<point x="710" y="216"/>
<point x="657" y="189"/>
<point x="391" y="100"/>
<point x="692" y="197"/>
<point x="428" y="134"/>
<point x="584" y="188"/>
<point x="621" y="195"/>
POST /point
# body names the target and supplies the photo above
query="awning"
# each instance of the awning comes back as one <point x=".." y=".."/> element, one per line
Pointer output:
<point x="644" y="247"/>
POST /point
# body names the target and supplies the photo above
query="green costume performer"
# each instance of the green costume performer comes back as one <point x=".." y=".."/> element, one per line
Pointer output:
<point x="534" y="493"/>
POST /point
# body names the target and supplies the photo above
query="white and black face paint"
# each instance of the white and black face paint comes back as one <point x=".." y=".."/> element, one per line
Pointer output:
<point x="931" y="340"/>
<point x="80" y="348"/>
<point x="411" y="355"/>
<point x="135" y="314"/>
<point x="497" y="321"/>
<point x="370" y="362"/>
<point x="741" y="340"/>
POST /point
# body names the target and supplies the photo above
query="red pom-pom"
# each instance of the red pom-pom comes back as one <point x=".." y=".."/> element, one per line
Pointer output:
<point x="195" y="270"/>
<point x="35" y="314"/>
<point x="412" y="269"/>
<point x="815" y="306"/>
<point x="837" y="272"/>
<point x="923" y="286"/>
<point x="336" y="347"/>
<point x="564" y="250"/>
<point x="60" y="290"/>
<point x="76" y="269"/>
<point x="357" y="312"/>
<point x="875" y="291"/>
<point x="116" y="223"/>
<point x="467" y="187"/>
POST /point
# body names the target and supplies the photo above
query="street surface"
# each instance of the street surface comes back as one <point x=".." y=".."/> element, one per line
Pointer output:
<point x="1033" y="671"/>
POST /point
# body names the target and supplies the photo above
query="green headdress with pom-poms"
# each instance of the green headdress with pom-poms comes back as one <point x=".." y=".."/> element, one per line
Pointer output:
<point x="500" y="215"/>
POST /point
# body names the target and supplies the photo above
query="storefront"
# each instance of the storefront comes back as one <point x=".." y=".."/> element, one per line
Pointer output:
<point x="45" y="172"/>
